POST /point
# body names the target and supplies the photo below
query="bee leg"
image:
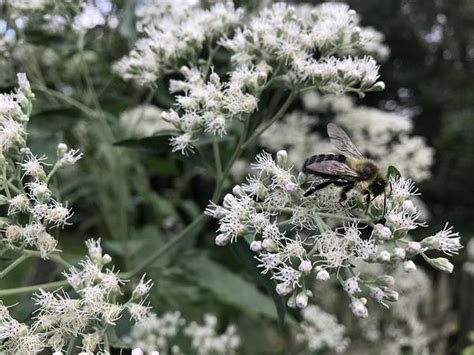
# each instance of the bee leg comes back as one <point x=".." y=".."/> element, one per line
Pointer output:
<point x="367" y="200"/>
<point x="318" y="187"/>
<point x="348" y="186"/>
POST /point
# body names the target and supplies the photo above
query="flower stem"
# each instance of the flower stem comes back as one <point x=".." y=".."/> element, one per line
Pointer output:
<point x="13" y="265"/>
<point x="237" y="152"/>
<point x="217" y="159"/>
<point x="275" y="118"/>
<point x="29" y="289"/>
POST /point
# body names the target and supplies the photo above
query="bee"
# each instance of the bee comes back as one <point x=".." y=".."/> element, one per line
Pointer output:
<point x="349" y="170"/>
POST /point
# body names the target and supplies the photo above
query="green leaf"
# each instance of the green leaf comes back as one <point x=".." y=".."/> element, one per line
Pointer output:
<point x="393" y="172"/>
<point x="156" y="145"/>
<point x="229" y="287"/>
<point x="242" y="250"/>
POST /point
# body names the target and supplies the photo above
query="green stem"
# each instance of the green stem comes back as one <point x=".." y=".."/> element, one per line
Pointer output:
<point x="69" y="100"/>
<point x="70" y="347"/>
<point x="237" y="152"/>
<point x="5" y="181"/>
<point x="13" y="265"/>
<point x="53" y="171"/>
<point x="275" y="118"/>
<point x="217" y="159"/>
<point x="29" y="289"/>
<point x="14" y="188"/>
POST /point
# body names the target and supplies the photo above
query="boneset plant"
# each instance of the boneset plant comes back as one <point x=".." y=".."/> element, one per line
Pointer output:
<point x="226" y="78"/>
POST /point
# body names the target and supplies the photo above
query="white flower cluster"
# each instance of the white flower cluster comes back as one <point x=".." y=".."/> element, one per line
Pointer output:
<point x="210" y="106"/>
<point x="24" y="182"/>
<point x="161" y="333"/>
<point x="385" y="137"/>
<point x="276" y="46"/>
<point x="295" y="242"/>
<point x="175" y="37"/>
<point x="320" y="330"/>
<point x="289" y="40"/>
<point x="60" y="318"/>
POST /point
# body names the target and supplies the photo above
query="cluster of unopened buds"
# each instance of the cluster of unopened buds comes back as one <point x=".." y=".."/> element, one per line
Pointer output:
<point x="299" y="240"/>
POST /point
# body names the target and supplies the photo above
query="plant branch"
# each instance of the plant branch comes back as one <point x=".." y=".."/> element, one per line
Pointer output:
<point x="13" y="265"/>
<point x="275" y="118"/>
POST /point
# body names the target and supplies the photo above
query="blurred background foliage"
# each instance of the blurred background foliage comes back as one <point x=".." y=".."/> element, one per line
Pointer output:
<point x="136" y="208"/>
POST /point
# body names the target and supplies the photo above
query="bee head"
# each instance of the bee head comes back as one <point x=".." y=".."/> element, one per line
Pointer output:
<point x="378" y="186"/>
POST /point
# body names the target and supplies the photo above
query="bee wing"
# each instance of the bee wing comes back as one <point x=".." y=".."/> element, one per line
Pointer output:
<point x="332" y="167"/>
<point x="342" y="142"/>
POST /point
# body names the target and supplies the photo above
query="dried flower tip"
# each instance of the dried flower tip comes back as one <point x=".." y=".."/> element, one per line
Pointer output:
<point x="142" y="288"/>
<point x="71" y="157"/>
<point x="19" y="203"/>
<point x="94" y="249"/>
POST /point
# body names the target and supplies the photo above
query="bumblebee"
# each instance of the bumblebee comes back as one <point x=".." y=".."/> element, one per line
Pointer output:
<point x="349" y="170"/>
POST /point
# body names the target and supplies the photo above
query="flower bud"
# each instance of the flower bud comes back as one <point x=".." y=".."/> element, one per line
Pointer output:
<point x="377" y="294"/>
<point x="282" y="158"/>
<point x="62" y="150"/>
<point x="256" y="246"/>
<point x="385" y="233"/>
<point x="399" y="253"/>
<point x="409" y="266"/>
<point x="387" y="280"/>
<point x="305" y="266"/>
<point x="283" y="289"/>
<point x="291" y="187"/>
<point x="384" y="256"/>
<point x="355" y="35"/>
<point x="358" y="308"/>
<point x="409" y="206"/>
<point x="269" y="245"/>
<point x="291" y="301"/>
<point x="378" y="86"/>
<point x="214" y="78"/>
<point x="106" y="259"/>
<point x="238" y="191"/>
<point x="137" y="351"/>
<point x="301" y="300"/>
<point x="441" y="264"/>
<point x="222" y="239"/>
<point x="261" y="78"/>
<point x="322" y="275"/>
<point x="391" y="295"/>
<point x="413" y="248"/>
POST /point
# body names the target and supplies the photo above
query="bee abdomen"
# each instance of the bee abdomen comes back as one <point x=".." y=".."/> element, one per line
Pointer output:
<point x="322" y="157"/>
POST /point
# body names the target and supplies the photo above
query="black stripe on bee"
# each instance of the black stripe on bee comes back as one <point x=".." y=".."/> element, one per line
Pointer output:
<point x="322" y="157"/>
